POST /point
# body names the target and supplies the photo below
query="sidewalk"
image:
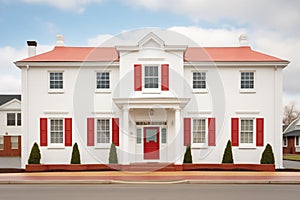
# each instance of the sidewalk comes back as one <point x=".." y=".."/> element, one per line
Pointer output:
<point x="199" y="177"/>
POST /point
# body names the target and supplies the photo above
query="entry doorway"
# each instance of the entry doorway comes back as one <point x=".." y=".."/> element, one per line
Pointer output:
<point x="151" y="143"/>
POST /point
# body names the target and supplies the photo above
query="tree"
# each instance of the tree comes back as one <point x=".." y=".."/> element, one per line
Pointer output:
<point x="188" y="155"/>
<point x="75" y="159"/>
<point x="227" y="156"/>
<point x="290" y="113"/>
<point x="35" y="155"/>
<point x="113" y="157"/>
<point x="267" y="156"/>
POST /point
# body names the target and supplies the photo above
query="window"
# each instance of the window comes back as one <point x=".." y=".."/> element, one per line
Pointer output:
<point x="247" y="131"/>
<point x="14" y="140"/>
<point x="297" y="141"/>
<point x="163" y="135"/>
<point x="56" y="80"/>
<point x="11" y="119"/>
<point x="139" y="136"/>
<point x="19" y="119"/>
<point x="199" y="80"/>
<point x="151" y="77"/>
<point x="103" y="80"/>
<point x="56" y="131"/>
<point x="1" y="142"/>
<point x="247" y="80"/>
<point x="199" y="131"/>
<point x="103" y="131"/>
<point x="284" y="141"/>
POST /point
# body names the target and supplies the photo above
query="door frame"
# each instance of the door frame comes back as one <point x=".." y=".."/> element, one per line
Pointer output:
<point x="158" y="129"/>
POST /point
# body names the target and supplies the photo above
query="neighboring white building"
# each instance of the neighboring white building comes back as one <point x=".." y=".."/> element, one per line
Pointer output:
<point x="10" y="131"/>
<point x="151" y="94"/>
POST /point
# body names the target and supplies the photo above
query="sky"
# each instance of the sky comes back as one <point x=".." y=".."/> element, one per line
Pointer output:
<point x="272" y="26"/>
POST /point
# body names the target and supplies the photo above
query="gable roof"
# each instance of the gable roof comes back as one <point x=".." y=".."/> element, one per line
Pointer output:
<point x="293" y="128"/>
<point x="192" y="54"/>
<point x="6" y="98"/>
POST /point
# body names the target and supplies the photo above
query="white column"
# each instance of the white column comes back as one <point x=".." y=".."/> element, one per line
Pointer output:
<point x="125" y="136"/>
<point x="179" y="137"/>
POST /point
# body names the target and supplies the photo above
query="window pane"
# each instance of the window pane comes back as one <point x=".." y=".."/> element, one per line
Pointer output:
<point x="199" y="131"/>
<point x="103" y="80"/>
<point x="56" y="80"/>
<point x="14" y="142"/>
<point x="247" y="80"/>
<point x="19" y="119"/>
<point x="56" y="131"/>
<point x="199" y="80"/>
<point x="139" y="136"/>
<point x="103" y="132"/>
<point x="297" y="140"/>
<point x="163" y="135"/>
<point x="151" y="77"/>
<point x="11" y="119"/>
<point x="247" y="131"/>
<point x="1" y="142"/>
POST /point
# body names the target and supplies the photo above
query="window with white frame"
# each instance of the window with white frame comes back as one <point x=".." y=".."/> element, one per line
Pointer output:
<point x="13" y="119"/>
<point x="103" y="131"/>
<point x="56" y="81"/>
<point x="199" y="80"/>
<point x="1" y="142"/>
<point x="285" y="141"/>
<point x="163" y="135"/>
<point x="14" y="140"/>
<point x="56" y="131"/>
<point x="199" y="131"/>
<point x="139" y="136"/>
<point x="151" y="77"/>
<point x="297" y="141"/>
<point x="103" y="80"/>
<point x="247" y="131"/>
<point x="247" y="80"/>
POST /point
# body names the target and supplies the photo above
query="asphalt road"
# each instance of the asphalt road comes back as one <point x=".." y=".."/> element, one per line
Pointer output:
<point x="291" y="164"/>
<point x="149" y="192"/>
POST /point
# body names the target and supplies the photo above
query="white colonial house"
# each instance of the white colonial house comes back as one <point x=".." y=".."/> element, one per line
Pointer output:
<point x="151" y="93"/>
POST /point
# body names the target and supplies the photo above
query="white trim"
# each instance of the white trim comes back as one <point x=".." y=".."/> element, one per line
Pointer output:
<point x="247" y="90"/>
<point x="151" y="90"/>
<point x="247" y="112"/>
<point x="285" y="139"/>
<point x="2" y="107"/>
<point x="151" y="59"/>
<point x="56" y="91"/>
<point x="237" y="64"/>
<point x="55" y="145"/>
<point x="55" y="112"/>
<point x="201" y="112"/>
<point x="103" y="145"/>
<point x="298" y="141"/>
<point x="199" y="145"/>
<point x="247" y="145"/>
<point x="199" y="90"/>
<point x="103" y="90"/>
<point x="67" y="64"/>
<point x="16" y="119"/>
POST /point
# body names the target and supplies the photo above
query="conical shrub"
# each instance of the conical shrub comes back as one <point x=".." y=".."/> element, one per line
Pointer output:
<point x="75" y="155"/>
<point x="267" y="156"/>
<point x="227" y="156"/>
<point x="113" y="157"/>
<point x="188" y="155"/>
<point x="35" y="155"/>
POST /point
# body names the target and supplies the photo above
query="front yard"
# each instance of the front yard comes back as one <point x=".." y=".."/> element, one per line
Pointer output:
<point x="291" y="157"/>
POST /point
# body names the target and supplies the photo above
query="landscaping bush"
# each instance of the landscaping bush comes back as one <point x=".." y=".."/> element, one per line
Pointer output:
<point x="35" y="155"/>
<point x="188" y="155"/>
<point x="75" y="155"/>
<point x="267" y="156"/>
<point x="113" y="157"/>
<point x="227" y="157"/>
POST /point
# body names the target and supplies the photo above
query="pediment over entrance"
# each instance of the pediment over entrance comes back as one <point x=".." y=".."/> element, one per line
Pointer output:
<point x="151" y="41"/>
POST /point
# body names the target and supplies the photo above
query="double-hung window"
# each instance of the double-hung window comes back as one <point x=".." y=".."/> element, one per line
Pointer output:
<point x="103" y="81"/>
<point x="1" y="142"/>
<point x="247" y="132"/>
<point x="56" y="131"/>
<point x="247" y="80"/>
<point x="56" y="81"/>
<point x="297" y="141"/>
<point x="13" y="119"/>
<point x="151" y="77"/>
<point x="103" y="131"/>
<point x="199" y="80"/>
<point x="14" y="140"/>
<point x="199" y="131"/>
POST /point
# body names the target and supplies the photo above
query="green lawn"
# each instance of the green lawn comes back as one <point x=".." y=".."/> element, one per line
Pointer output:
<point x="291" y="157"/>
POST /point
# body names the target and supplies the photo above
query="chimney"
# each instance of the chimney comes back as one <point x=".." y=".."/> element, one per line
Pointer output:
<point x="243" y="40"/>
<point x="31" y="48"/>
<point x="60" y="40"/>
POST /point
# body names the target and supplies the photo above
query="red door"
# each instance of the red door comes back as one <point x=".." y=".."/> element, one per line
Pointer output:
<point x="151" y="143"/>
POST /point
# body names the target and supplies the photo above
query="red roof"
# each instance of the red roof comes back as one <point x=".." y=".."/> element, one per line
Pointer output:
<point x="192" y="54"/>
<point x="227" y="54"/>
<point x="75" y="54"/>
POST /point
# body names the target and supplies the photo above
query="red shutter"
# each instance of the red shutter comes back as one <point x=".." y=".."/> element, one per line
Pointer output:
<point x="115" y="131"/>
<point x="137" y="77"/>
<point x="43" y="132"/>
<point x="187" y="131"/>
<point x="235" y="131"/>
<point x="90" y="132"/>
<point x="211" y="131"/>
<point x="260" y="132"/>
<point x="68" y="131"/>
<point x="165" y="77"/>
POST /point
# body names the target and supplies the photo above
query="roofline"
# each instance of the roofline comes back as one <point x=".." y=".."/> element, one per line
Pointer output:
<point x="290" y="125"/>
<point x="12" y="100"/>
<point x="22" y="64"/>
<point x="237" y="63"/>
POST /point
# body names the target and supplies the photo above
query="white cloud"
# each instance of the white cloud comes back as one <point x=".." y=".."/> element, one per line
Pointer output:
<point x="72" y="5"/>
<point x="99" y="39"/>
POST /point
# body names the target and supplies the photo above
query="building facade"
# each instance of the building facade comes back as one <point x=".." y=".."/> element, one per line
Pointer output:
<point x="10" y="131"/>
<point x="151" y="97"/>
<point x="291" y="138"/>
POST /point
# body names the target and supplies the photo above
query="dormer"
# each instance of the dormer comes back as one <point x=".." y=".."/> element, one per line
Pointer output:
<point x="151" y="41"/>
